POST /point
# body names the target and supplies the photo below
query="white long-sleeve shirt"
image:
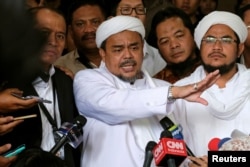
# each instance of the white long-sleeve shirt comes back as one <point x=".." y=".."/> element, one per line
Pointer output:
<point x="112" y="135"/>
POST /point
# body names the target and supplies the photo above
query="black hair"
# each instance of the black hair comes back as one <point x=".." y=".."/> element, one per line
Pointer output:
<point x="77" y="4"/>
<point x="240" y="12"/>
<point x="238" y="5"/>
<point x="163" y="15"/>
<point x="114" y="5"/>
<point x="35" y="10"/>
<point x="39" y="158"/>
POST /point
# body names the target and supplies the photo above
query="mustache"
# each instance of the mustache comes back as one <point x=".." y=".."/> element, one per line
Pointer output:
<point x="128" y="62"/>
<point x="218" y="53"/>
<point x="88" y="35"/>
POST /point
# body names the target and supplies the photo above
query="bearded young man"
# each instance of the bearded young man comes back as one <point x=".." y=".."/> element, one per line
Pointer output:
<point x="220" y="36"/>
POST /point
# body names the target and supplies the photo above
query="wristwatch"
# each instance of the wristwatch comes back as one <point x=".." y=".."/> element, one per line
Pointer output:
<point x="170" y="95"/>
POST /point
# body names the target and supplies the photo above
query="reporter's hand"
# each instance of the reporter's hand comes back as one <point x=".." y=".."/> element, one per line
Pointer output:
<point x="195" y="161"/>
<point x="192" y="92"/>
<point x="7" y="124"/>
<point x="10" y="103"/>
<point x="5" y="162"/>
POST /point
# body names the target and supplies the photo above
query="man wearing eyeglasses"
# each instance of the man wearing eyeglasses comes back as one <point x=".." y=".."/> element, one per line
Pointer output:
<point x="152" y="60"/>
<point x="220" y="36"/>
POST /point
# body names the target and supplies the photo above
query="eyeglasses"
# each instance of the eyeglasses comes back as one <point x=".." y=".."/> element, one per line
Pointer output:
<point x="129" y="10"/>
<point x="223" y="40"/>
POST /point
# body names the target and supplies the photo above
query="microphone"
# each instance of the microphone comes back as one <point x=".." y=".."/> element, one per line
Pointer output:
<point x="148" y="153"/>
<point x="70" y="133"/>
<point x="169" y="125"/>
<point x="169" y="152"/>
<point x="215" y="144"/>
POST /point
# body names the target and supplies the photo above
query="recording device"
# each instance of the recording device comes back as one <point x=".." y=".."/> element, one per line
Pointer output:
<point x="15" y="152"/>
<point x="40" y="100"/>
<point x="175" y="130"/>
<point x="70" y="133"/>
<point x="148" y="153"/>
<point x="169" y="152"/>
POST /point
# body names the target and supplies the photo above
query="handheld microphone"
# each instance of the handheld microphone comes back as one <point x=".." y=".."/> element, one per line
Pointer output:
<point x="148" y="153"/>
<point x="70" y="133"/>
<point x="169" y="152"/>
<point x="169" y="125"/>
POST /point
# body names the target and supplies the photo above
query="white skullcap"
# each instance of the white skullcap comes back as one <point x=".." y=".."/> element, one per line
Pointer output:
<point x="118" y="24"/>
<point x="220" y="17"/>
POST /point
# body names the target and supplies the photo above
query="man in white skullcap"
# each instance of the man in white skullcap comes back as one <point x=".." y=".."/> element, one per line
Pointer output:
<point x="122" y="103"/>
<point x="220" y="37"/>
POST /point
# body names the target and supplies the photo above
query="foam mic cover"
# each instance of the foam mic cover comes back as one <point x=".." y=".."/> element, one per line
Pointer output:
<point x="213" y="144"/>
<point x="169" y="152"/>
<point x="237" y="144"/>
<point x="148" y="153"/>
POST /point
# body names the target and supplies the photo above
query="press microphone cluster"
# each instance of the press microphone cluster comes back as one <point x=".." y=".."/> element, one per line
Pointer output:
<point x="70" y="133"/>
<point x="239" y="141"/>
<point x="171" y="150"/>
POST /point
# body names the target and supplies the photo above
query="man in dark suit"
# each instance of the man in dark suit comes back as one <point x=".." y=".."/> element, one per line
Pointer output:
<point x="52" y="84"/>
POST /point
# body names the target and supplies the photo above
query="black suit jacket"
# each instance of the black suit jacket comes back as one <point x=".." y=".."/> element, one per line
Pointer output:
<point x="29" y="132"/>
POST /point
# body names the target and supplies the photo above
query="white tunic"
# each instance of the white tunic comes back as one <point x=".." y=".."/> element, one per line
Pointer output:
<point x="121" y="117"/>
<point x="228" y="109"/>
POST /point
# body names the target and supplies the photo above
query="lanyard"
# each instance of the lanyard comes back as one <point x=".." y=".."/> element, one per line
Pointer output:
<point x="52" y="121"/>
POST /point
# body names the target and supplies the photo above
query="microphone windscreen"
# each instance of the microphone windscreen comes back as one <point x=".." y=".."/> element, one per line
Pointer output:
<point x="150" y="146"/>
<point x="213" y="144"/>
<point x="237" y="144"/>
<point x="237" y="133"/>
<point x="80" y="121"/>
<point x="166" y="123"/>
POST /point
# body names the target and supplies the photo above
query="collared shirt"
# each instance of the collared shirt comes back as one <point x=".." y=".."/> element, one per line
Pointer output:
<point x="45" y="90"/>
<point x="71" y="61"/>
